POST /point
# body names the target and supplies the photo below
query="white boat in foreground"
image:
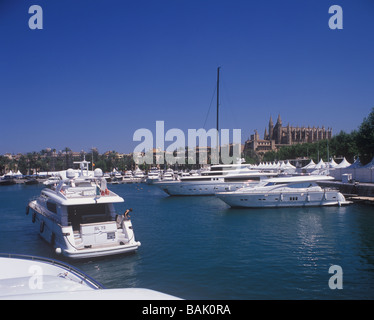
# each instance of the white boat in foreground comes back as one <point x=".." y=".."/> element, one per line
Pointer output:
<point x="295" y="191"/>
<point x="35" y="278"/>
<point x="78" y="217"/>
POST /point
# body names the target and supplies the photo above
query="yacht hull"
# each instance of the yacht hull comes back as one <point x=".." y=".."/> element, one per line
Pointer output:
<point x="152" y="180"/>
<point x="99" y="252"/>
<point x="178" y="188"/>
<point x="275" y="200"/>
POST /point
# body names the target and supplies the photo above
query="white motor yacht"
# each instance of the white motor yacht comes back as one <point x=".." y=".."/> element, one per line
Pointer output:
<point x="295" y="191"/>
<point x="168" y="175"/>
<point x="219" y="178"/>
<point x="128" y="177"/>
<point x="138" y="175"/>
<point x="78" y="217"/>
<point x="37" y="278"/>
<point x="182" y="174"/>
<point x="52" y="180"/>
<point x="117" y="178"/>
<point x="194" y="173"/>
<point x="153" y="176"/>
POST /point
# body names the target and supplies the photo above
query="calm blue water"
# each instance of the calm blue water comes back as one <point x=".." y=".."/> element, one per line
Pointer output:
<point x="199" y="248"/>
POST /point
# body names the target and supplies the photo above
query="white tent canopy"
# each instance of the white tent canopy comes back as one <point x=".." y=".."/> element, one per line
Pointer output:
<point x="343" y="164"/>
<point x="18" y="174"/>
<point x="320" y="165"/>
<point x="310" y="165"/>
<point x="9" y="174"/>
<point x="289" y="165"/>
<point x="276" y="165"/>
<point x="332" y="164"/>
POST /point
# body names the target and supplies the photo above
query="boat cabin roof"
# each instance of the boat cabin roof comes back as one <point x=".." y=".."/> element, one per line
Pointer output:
<point x="86" y="190"/>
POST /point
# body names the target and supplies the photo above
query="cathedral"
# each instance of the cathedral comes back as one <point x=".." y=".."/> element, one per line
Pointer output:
<point x="277" y="135"/>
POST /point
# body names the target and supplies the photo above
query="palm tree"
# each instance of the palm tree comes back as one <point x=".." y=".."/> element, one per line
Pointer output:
<point x="67" y="151"/>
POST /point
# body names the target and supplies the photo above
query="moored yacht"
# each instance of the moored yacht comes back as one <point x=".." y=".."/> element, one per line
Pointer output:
<point x="138" y="175"/>
<point x="295" y="191"/>
<point x="78" y="217"/>
<point x="168" y="175"/>
<point x="128" y="177"/>
<point x="153" y="176"/>
<point x="219" y="178"/>
<point x="116" y="178"/>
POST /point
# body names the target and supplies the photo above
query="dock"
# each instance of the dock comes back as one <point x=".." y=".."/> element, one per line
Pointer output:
<point x="360" y="199"/>
<point x="353" y="191"/>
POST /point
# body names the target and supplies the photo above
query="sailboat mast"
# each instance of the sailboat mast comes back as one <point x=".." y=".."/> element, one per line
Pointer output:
<point x="218" y="148"/>
<point x="218" y="100"/>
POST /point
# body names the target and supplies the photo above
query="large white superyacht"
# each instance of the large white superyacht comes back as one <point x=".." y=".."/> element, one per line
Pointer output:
<point x="296" y="191"/>
<point x="78" y="218"/>
<point x="223" y="177"/>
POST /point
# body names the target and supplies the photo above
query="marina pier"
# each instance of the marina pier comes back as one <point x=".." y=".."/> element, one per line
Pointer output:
<point x="357" y="192"/>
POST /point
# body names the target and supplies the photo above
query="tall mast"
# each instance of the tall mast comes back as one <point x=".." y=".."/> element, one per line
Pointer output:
<point x="218" y="99"/>
<point x="218" y="148"/>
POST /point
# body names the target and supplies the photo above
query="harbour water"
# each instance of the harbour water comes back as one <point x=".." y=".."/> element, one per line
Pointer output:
<point x="199" y="248"/>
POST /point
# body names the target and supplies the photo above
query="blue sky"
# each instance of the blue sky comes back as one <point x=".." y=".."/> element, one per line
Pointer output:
<point x="99" y="70"/>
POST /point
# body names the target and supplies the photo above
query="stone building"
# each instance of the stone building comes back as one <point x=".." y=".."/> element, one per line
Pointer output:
<point x="277" y="135"/>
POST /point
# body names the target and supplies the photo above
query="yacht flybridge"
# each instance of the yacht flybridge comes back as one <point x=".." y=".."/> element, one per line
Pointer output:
<point x="295" y="191"/>
<point x="78" y="218"/>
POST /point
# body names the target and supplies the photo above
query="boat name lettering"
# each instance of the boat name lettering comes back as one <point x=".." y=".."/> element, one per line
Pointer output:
<point x="99" y="228"/>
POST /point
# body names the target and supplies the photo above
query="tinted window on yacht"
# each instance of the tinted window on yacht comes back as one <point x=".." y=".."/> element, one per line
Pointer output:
<point x="216" y="169"/>
<point x="301" y="185"/>
<point x="51" y="206"/>
<point x="212" y="173"/>
<point x="242" y="179"/>
<point x="88" y="213"/>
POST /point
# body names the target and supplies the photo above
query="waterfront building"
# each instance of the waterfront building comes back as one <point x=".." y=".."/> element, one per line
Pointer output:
<point x="276" y="136"/>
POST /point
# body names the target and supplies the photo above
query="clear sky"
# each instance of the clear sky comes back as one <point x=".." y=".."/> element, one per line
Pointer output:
<point x="99" y="70"/>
